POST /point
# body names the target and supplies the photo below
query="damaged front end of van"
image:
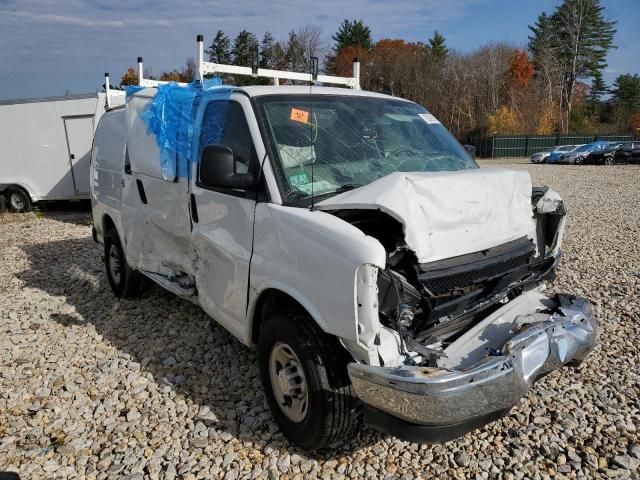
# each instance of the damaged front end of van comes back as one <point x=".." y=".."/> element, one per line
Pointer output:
<point x="455" y="329"/>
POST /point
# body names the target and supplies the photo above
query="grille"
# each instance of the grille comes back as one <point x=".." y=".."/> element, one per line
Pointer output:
<point x="468" y="278"/>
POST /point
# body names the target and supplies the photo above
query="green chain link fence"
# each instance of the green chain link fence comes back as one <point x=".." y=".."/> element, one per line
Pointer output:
<point x="526" y="145"/>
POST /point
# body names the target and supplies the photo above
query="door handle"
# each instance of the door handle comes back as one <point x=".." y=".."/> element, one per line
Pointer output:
<point x="73" y="157"/>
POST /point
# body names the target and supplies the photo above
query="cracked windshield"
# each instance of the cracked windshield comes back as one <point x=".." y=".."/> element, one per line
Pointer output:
<point x="351" y="141"/>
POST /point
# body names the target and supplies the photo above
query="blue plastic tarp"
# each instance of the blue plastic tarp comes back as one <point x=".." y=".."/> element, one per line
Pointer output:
<point x="171" y="118"/>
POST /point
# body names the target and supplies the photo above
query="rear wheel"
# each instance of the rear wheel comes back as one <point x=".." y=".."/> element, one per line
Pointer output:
<point x="579" y="161"/>
<point x="18" y="200"/>
<point x="609" y="160"/>
<point x="304" y="376"/>
<point x="125" y="282"/>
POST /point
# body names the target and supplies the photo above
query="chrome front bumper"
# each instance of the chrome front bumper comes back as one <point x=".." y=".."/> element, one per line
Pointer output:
<point x="496" y="362"/>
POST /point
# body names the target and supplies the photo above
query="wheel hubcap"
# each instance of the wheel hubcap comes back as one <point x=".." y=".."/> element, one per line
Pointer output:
<point x="114" y="264"/>
<point x="288" y="382"/>
<point x="17" y="202"/>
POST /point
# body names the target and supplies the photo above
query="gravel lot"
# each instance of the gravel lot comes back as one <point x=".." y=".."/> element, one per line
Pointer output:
<point x="92" y="387"/>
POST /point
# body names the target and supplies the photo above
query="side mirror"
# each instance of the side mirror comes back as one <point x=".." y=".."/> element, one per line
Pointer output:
<point x="217" y="169"/>
<point x="471" y="150"/>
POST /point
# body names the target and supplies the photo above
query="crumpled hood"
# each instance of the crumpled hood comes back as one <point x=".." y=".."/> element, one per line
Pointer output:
<point x="446" y="214"/>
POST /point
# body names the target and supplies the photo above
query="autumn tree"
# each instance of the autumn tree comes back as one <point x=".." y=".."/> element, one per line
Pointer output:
<point x="185" y="75"/>
<point x="504" y="120"/>
<point x="343" y="63"/>
<point x="520" y="70"/>
<point x="130" y="77"/>
<point x="171" y="76"/>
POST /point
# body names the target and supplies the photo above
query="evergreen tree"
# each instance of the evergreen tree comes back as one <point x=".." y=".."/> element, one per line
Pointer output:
<point x="245" y="47"/>
<point x="295" y="54"/>
<point x="578" y="36"/>
<point x="598" y="88"/>
<point x="437" y="47"/>
<point x="279" y="56"/>
<point x="219" y="50"/>
<point x="352" y="34"/>
<point x="266" y="51"/>
<point x="542" y="40"/>
<point x="626" y="91"/>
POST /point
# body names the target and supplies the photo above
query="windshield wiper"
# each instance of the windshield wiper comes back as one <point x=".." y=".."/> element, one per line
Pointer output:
<point x="341" y="189"/>
<point x="346" y="187"/>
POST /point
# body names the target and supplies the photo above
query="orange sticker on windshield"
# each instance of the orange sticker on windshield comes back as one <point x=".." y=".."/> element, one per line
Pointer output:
<point x="299" y="116"/>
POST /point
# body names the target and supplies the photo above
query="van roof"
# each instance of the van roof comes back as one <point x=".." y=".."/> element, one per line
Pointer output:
<point x="264" y="90"/>
<point x="260" y="90"/>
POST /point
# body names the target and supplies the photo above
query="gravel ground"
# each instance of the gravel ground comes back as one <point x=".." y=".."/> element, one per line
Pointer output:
<point x="93" y="387"/>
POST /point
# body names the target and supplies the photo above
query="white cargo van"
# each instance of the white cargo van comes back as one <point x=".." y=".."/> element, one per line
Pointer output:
<point x="46" y="145"/>
<point x="350" y="239"/>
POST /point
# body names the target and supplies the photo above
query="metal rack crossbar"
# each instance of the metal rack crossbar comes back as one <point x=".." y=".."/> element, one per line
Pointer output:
<point x="205" y="68"/>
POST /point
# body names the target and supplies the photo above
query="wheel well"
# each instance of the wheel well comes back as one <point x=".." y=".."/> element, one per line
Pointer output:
<point x="107" y="224"/>
<point x="15" y="186"/>
<point x="267" y="303"/>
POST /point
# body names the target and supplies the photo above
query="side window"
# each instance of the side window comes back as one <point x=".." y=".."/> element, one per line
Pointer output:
<point x="235" y="134"/>
<point x="238" y="136"/>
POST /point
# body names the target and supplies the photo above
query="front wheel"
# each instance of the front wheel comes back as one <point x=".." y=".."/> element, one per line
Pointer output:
<point x="125" y="282"/>
<point x="18" y="200"/>
<point x="579" y="161"/>
<point x="609" y="160"/>
<point x="304" y="376"/>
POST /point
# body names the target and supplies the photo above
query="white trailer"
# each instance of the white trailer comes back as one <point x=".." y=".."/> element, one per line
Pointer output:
<point x="45" y="146"/>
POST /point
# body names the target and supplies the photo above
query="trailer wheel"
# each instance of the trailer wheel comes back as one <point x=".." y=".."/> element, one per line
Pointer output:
<point x="18" y="200"/>
<point x="125" y="282"/>
<point x="304" y="376"/>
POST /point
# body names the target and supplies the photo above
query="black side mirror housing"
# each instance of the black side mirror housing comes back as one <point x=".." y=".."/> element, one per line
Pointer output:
<point x="217" y="170"/>
<point x="471" y="150"/>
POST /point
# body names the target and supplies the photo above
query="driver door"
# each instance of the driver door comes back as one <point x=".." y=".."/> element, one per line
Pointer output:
<point x="222" y="234"/>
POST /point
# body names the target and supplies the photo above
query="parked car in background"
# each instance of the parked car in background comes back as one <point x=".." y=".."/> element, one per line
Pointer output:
<point x="541" y="156"/>
<point x="555" y="155"/>
<point x="619" y="152"/>
<point x="577" y="157"/>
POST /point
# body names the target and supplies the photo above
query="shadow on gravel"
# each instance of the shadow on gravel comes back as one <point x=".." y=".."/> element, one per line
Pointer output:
<point x="171" y="339"/>
<point x="77" y="212"/>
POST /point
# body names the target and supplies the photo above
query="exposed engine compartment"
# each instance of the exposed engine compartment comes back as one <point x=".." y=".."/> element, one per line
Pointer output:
<point x="432" y="304"/>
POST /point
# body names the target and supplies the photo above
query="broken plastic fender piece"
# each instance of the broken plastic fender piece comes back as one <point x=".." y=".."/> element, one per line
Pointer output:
<point x="550" y="202"/>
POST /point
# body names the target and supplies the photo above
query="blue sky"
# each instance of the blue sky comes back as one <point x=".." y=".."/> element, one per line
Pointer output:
<point x="53" y="46"/>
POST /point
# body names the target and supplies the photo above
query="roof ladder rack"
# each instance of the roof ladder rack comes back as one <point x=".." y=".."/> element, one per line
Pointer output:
<point x="147" y="82"/>
<point x="206" y="68"/>
<point x="110" y="93"/>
